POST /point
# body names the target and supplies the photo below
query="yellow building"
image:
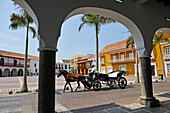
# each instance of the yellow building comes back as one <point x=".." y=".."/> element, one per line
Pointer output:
<point x="73" y="61"/>
<point x="85" y="64"/>
<point x="117" y="57"/>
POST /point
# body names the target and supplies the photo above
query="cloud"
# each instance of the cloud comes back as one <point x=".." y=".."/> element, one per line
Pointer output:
<point x="14" y="38"/>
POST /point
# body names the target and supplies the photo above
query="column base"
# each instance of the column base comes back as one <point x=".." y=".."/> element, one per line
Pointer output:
<point x="149" y="102"/>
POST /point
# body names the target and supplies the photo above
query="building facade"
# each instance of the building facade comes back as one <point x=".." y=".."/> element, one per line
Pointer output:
<point x="63" y="65"/>
<point x="12" y="64"/>
<point x="85" y="64"/>
<point x="117" y="57"/>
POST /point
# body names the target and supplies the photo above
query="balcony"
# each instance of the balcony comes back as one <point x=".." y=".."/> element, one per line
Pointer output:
<point x="81" y="67"/>
<point x="13" y="65"/>
<point x="167" y="57"/>
<point x="128" y="59"/>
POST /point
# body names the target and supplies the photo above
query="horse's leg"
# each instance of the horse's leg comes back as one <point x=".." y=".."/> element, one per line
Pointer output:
<point x="65" y="86"/>
<point x="70" y="87"/>
<point x="78" y="85"/>
<point x="84" y="85"/>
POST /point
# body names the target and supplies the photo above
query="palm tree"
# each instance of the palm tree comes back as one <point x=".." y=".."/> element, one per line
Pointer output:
<point x="19" y="21"/>
<point x="97" y="21"/>
<point x="130" y="41"/>
<point x="158" y="38"/>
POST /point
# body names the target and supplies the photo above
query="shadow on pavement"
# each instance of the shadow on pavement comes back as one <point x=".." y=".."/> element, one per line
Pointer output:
<point x="105" y="88"/>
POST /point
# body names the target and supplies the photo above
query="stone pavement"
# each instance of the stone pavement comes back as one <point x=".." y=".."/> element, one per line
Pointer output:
<point x="132" y="108"/>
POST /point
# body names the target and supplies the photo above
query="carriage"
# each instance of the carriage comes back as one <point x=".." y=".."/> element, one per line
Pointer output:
<point x="111" y="79"/>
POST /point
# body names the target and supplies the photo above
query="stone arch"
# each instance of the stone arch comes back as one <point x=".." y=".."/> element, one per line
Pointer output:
<point x="6" y="72"/>
<point x="26" y="7"/>
<point x="0" y="72"/>
<point x="128" y="23"/>
<point x="20" y="72"/>
<point x="14" y="72"/>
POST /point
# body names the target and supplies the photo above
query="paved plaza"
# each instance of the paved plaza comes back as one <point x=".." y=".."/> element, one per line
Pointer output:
<point x="107" y="100"/>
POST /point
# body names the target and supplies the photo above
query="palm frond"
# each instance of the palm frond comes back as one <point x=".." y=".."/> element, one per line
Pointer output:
<point x="33" y="30"/>
<point x="130" y="41"/>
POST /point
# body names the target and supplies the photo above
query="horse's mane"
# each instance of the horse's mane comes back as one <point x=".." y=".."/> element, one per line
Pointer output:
<point x="64" y="71"/>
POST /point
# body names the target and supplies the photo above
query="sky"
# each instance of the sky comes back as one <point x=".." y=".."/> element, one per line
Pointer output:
<point x="70" y="43"/>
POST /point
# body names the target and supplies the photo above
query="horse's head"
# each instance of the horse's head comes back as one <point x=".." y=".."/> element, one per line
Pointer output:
<point x="61" y="72"/>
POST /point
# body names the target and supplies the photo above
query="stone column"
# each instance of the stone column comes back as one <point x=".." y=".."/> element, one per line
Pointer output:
<point x="46" y="92"/>
<point x="147" y="97"/>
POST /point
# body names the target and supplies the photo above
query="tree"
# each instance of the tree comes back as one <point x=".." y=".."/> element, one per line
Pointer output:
<point x="23" y="20"/>
<point x="159" y="38"/>
<point x="97" y="21"/>
<point x="130" y="41"/>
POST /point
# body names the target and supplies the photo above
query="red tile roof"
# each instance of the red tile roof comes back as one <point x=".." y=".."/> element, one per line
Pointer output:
<point x="17" y="55"/>
<point x="114" y="46"/>
<point x="66" y="61"/>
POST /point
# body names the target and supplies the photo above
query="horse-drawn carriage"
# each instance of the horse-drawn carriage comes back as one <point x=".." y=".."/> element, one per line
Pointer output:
<point x="111" y="79"/>
<point x="94" y="79"/>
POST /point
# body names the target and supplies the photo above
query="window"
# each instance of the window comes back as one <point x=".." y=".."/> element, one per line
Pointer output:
<point x="35" y="65"/>
<point x="36" y="70"/>
<point x="103" y="70"/>
<point x="110" y="69"/>
<point x="65" y="66"/>
<point x="167" y="50"/>
<point x="168" y="68"/>
<point x="130" y="56"/>
<point x="114" y="58"/>
<point x="15" y="62"/>
<point x="102" y="60"/>
<point x="122" y="58"/>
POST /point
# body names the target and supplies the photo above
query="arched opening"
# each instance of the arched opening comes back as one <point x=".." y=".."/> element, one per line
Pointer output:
<point x="0" y="72"/>
<point x="2" y="61"/>
<point x="6" y="72"/>
<point x="161" y="52"/>
<point x="20" y="72"/>
<point x="14" y="72"/>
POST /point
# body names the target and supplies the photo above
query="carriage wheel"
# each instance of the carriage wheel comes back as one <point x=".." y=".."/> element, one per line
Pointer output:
<point x="122" y="82"/>
<point x="111" y="83"/>
<point x="97" y="86"/>
<point x="89" y="85"/>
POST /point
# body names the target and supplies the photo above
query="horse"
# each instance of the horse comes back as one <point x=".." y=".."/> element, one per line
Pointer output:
<point x="72" y="78"/>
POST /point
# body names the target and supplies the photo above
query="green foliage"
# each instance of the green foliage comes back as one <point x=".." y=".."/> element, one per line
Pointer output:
<point x="95" y="20"/>
<point x="19" y="92"/>
<point x="130" y="41"/>
<point x="158" y="38"/>
<point x="23" y="19"/>
<point x="74" y="71"/>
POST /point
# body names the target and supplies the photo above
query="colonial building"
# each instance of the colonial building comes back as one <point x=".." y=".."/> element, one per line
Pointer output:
<point x="74" y="61"/>
<point x="117" y="57"/>
<point x="85" y="64"/>
<point x="12" y="64"/>
<point x="63" y="65"/>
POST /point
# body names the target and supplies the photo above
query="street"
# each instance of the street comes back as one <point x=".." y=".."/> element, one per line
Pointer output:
<point x="77" y="102"/>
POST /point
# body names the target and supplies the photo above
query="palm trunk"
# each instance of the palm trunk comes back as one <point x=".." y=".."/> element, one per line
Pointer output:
<point x="97" y="54"/>
<point x="137" y="72"/>
<point x="162" y="62"/>
<point x="24" y="86"/>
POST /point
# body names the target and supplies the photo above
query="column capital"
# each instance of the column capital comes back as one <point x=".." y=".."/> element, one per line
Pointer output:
<point x="143" y="53"/>
<point x="49" y="49"/>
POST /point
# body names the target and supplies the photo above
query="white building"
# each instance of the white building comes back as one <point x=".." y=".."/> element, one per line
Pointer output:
<point x="63" y="65"/>
<point x="12" y="64"/>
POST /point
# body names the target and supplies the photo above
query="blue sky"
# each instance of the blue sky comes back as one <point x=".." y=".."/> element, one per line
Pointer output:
<point x="71" y="42"/>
